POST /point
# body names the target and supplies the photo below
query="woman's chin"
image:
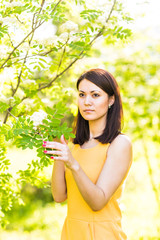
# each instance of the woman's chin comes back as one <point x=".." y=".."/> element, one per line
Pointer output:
<point x="89" y="118"/>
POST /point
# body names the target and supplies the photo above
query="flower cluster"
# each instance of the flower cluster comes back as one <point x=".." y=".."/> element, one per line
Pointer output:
<point x="38" y="117"/>
<point x="69" y="26"/>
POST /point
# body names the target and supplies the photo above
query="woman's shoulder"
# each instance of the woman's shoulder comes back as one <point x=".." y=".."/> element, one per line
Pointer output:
<point x="120" y="143"/>
<point x="122" y="139"/>
<point x="120" y="150"/>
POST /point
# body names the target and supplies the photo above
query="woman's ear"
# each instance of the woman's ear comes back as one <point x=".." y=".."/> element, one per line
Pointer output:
<point x="111" y="100"/>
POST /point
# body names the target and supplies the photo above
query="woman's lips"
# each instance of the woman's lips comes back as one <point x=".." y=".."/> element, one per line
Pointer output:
<point x="88" y="110"/>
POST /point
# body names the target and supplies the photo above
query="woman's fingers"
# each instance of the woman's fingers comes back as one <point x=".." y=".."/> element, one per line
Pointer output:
<point x="54" y="145"/>
<point x="63" y="140"/>
<point x="60" y="158"/>
<point x="59" y="150"/>
<point x="59" y="153"/>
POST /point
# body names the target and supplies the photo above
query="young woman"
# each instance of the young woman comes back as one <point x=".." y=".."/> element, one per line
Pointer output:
<point x="92" y="175"/>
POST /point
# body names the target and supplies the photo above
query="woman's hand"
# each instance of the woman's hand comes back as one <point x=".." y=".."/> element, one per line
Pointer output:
<point x="62" y="153"/>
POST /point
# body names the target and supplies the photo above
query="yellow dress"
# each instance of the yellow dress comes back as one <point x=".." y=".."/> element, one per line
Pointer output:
<point x="82" y="223"/>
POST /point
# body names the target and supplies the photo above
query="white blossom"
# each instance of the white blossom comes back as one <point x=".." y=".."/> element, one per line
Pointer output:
<point x="63" y="37"/>
<point x="37" y="117"/>
<point x="83" y="21"/>
<point x="50" y="41"/>
<point x="69" y="26"/>
<point x="53" y="40"/>
<point x="3" y="50"/>
<point x="102" y="19"/>
<point x="13" y="4"/>
<point x="73" y="38"/>
<point x="45" y="100"/>
<point x="25" y="46"/>
<point x="3" y="98"/>
<point x="20" y="93"/>
<point x="9" y="21"/>
<point x="45" y="32"/>
<point x="7" y="100"/>
<point x="69" y="91"/>
<point x="11" y="98"/>
<point x="8" y="86"/>
<point x="28" y="82"/>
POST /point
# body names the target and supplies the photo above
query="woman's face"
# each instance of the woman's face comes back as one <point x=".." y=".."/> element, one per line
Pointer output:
<point x="93" y="102"/>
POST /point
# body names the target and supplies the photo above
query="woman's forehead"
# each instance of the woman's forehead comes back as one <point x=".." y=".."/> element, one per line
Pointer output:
<point x="86" y="85"/>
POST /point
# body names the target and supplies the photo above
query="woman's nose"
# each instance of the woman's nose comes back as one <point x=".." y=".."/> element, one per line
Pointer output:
<point x="87" y="100"/>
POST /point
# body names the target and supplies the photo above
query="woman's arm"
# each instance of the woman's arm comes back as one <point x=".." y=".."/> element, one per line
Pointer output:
<point x="117" y="164"/>
<point x="58" y="182"/>
<point x="114" y="171"/>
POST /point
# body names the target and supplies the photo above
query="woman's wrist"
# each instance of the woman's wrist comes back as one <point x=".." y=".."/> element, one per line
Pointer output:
<point x="74" y="166"/>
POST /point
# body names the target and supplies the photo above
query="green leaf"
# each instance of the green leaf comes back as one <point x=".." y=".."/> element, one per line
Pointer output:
<point x="41" y="64"/>
<point x="3" y="106"/>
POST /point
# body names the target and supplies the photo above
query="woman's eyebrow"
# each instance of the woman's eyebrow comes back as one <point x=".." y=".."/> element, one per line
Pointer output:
<point x="90" y="91"/>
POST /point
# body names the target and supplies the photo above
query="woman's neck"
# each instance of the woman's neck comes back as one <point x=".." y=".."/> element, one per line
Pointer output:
<point x="96" y="128"/>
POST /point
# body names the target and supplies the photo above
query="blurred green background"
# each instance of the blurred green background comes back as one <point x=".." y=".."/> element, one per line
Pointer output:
<point x="135" y="63"/>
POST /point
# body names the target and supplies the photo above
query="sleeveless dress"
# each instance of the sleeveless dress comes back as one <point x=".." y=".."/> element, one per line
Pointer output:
<point x="82" y="223"/>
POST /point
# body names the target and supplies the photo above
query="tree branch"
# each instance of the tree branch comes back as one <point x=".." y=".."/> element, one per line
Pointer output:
<point x="19" y="78"/>
<point x="19" y="19"/>
<point x="10" y="40"/>
<point x="55" y="6"/>
<point x="15" y="90"/>
<point x="7" y="114"/>
<point x="24" y="61"/>
<point x="82" y="52"/>
<point x="10" y="109"/>
<point x="42" y="4"/>
<point x="103" y="28"/>
<point x="63" y="53"/>
<point x="109" y="15"/>
<point x="33" y="30"/>
<point x="34" y="55"/>
<point x="58" y="75"/>
<point x="34" y="22"/>
<point x="11" y="114"/>
<point x="18" y="46"/>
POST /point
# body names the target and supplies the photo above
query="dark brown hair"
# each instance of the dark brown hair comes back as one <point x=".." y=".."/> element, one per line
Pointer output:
<point x="108" y="84"/>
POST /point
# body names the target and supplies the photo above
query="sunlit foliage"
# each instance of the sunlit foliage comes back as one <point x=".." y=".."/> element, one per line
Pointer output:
<point x="39" y="42"/>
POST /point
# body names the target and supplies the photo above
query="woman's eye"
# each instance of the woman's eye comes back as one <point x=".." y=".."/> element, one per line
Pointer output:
<point x="96" y="95"/>
<point x="81" y="94"/>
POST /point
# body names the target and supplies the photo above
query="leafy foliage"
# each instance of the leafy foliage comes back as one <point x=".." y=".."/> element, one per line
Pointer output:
<point x="39" y="42"/>
<point x="38" y="68"/>
<point x="29" y="132"/>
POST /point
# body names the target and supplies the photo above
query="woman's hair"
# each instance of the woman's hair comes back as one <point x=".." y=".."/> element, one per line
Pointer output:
<point x="108" y="84"/>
